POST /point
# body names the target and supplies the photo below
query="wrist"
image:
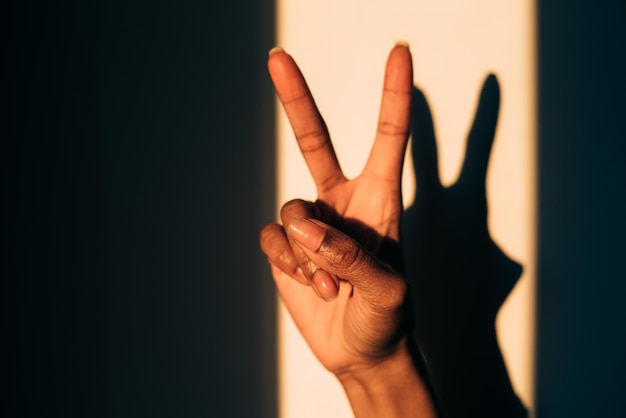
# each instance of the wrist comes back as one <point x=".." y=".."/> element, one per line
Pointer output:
<point x="388" y="387"/>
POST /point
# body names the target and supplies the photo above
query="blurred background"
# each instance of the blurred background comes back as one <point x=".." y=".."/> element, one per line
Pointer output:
<point x="139" y="159"/>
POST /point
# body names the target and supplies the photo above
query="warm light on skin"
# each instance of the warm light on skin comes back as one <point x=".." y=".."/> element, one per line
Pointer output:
<point x="341" y="48"/>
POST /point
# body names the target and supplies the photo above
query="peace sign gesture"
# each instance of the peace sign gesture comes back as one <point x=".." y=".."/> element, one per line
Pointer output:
<point x="336" y="261"/>
<point x="369" y="206"/>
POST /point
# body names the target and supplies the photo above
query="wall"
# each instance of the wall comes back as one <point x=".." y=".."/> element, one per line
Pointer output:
<point x="342" y="48"/>
<point x="137" y="168"/>
<point x="581" y="337"/>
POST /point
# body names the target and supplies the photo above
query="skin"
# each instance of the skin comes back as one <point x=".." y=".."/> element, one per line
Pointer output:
<point x="335" y="260"/>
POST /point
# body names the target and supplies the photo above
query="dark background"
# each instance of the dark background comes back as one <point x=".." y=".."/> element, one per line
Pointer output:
<point x="137" y="167"/>
<point x="581" y="328"/>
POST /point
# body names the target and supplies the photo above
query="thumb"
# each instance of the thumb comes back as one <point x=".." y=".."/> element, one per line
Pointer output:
<point x="339" y="254"/>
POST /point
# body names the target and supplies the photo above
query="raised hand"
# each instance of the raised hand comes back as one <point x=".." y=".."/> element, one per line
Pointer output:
<point x="369" y="206"/>
<point x="336" y="261"/>
<point x="459" y="277"/>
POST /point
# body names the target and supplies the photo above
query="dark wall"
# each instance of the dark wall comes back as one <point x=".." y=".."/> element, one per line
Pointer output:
<point x="581" y="351"/>
<point x="137" y="167"/>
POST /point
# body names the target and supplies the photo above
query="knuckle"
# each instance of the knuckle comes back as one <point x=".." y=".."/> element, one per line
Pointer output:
<point x="294" y="208"/>
<point x="266" y="233"/>
<point x="391" y="128"/>
<point x="347" y="256"/>
<point x="396" y="294"/>
<point x="287" y="262"/>
<point x="328" y="182"/>
<point x="313" y="140"/>
<point x="275" y="246"/>
<point x="391" y="297"/>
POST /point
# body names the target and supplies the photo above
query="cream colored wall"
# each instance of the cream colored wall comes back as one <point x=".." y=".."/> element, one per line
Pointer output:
<point x="342" y="47"/>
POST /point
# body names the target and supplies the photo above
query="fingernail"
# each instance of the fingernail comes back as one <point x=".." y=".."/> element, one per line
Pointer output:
<point x="306" y="233"/>
<point x="275" y="50"/>
<point x="402" y="43"/>
<point x="325" y="285"/>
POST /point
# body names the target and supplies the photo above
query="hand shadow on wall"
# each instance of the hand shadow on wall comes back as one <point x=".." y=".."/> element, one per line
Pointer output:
<point x="459" y="277"/>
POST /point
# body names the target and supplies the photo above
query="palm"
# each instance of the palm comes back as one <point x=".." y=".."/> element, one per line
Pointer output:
<point x="349" y="330"/>
<point x="366" y="208"/>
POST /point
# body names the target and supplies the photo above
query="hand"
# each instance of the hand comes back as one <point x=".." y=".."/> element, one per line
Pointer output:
<point x="368" y="207"/>
<point x="366" y="321"/>
<point x="459" y="276"/>
<point x="342" y="243"/>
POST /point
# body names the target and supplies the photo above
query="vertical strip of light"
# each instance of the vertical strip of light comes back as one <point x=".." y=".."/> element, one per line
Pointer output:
<point x="341" y="47"/>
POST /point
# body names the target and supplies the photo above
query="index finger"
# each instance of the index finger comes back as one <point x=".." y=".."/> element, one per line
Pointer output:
<point x="305" y="119"/>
